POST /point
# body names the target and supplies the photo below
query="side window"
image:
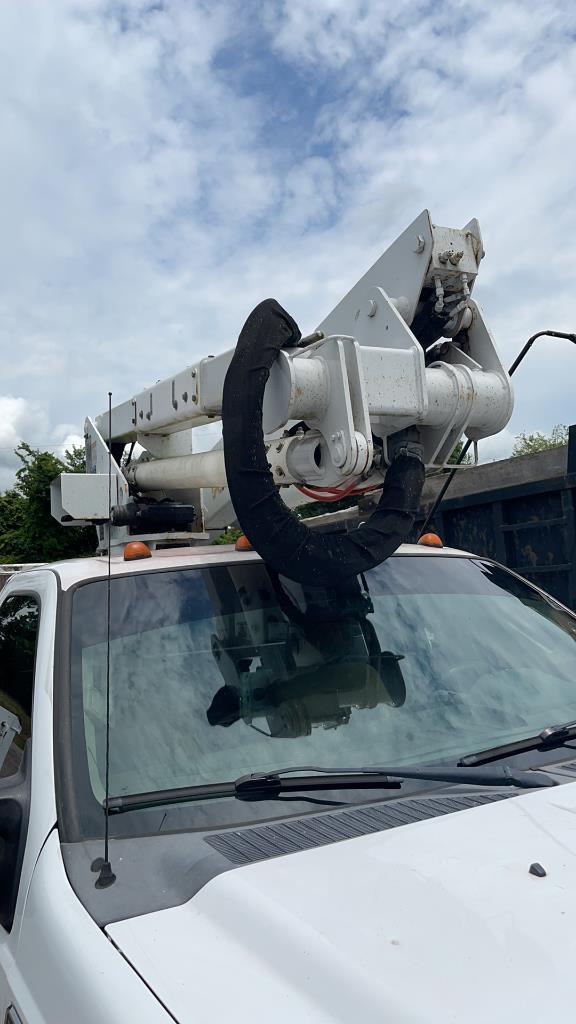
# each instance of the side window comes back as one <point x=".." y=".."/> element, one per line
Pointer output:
<point x="19" y="620"/>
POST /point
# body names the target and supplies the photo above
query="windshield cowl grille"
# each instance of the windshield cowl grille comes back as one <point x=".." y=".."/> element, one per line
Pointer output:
<point x="262" y="842"/>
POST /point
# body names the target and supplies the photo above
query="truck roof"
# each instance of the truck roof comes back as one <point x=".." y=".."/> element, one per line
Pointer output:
<point x="76" y="570"/>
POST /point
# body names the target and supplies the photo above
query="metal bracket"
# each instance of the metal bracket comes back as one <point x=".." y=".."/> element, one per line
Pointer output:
<point x="345" y="423"/>
<point x="325" y="387"/>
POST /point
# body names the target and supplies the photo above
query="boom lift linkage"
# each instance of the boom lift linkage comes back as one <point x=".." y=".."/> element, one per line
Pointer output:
<point x="406" y="346"/>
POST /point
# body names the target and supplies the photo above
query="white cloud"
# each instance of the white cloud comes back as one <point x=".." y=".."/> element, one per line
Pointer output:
<point x="491" y="449"/>
<point x="469" y="110"/>
<point x="19" y="420"/>
<point x="68" y="440"/>
<point x="166" y="166"/>
<point x="23" y="420"/>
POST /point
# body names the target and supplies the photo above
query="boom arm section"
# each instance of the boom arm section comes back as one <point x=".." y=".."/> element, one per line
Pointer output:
<point x="406" y="346"/>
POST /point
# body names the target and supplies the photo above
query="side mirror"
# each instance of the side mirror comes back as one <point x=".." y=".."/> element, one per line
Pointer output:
<point x="14" y="815"/>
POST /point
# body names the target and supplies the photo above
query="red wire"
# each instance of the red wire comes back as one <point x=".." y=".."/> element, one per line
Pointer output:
<point x="341" y="490"/>
<point x="330" y="494"/>
<point x="317" y="496"/>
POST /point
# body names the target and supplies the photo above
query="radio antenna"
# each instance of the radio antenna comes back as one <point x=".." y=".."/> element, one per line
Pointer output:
<point x="106" y="876"/>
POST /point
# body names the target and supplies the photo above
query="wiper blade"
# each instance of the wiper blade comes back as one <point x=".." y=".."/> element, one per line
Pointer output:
<point x="260" y="786"/>
<point x="551" y="737"/>
<point x="267" y="785"/>
<point x="270" y="785"/>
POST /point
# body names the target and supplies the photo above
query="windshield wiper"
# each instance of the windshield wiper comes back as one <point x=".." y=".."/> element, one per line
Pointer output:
<point x="270" y="785"/>
<point x="260" y="786"/>
<point x="549" y="739"/>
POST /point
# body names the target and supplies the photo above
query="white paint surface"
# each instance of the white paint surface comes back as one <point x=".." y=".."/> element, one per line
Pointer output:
<point x="435" y="921"/>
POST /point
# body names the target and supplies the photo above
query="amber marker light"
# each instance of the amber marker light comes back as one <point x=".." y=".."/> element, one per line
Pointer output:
<point x="430" y="540"/>
<point x="136" y="549"/>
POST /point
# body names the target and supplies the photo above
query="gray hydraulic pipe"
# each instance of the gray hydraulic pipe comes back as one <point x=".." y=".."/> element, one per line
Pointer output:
<point x="203" y="469"/>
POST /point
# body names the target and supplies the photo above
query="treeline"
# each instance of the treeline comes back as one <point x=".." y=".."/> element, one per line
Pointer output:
<point x="28" y="533"/>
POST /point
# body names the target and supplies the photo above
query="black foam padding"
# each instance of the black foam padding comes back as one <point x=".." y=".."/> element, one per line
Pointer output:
<point x="283" y="541"/>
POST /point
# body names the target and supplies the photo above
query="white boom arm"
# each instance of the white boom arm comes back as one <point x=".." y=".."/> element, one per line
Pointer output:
<point x="407" y="345"/>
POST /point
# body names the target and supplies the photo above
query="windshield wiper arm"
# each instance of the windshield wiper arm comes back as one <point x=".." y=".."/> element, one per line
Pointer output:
<point x="499" y="776"/>
<point x="551" y="737"/>
<point x="269" y="785"/>
<point x="264" y="782"/>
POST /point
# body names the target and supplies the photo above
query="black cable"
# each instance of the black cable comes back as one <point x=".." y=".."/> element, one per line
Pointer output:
<point x="530" y="342"/>
<point x="107" y="876"/>
<point x="467" y="446"/>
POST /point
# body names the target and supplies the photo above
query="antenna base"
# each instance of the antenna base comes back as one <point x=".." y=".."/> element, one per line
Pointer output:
<point x="106" y="876"/>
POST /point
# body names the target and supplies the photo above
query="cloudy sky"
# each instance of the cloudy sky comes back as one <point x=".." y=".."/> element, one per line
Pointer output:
<point x="165" y="165"/>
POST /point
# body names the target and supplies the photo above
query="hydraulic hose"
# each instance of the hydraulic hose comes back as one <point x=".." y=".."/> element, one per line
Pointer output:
<point x="285" y="543"/>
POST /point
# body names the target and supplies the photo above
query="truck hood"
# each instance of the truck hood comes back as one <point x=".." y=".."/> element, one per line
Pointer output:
<point x="435" y="921"/>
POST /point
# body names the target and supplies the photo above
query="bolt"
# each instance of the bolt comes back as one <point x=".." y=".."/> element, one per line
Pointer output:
<point x="455" y="257"/>
<point x="194" y="399"/>
<point x="371" y="308"/>
<point x="184" y="396"/>
<point x="279" y="447"/>
<point x="279" y="471"/>
<point x="338" y="452"/>
<point x="308" y="339"/>
<point x="420" y="244"/>
<point x="443" y="257"/>
<point x="193" y="374"/>
<point x="141" y="414"/>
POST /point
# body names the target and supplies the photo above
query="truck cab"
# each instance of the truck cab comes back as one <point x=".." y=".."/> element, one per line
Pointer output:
<point x="269" y="855"/>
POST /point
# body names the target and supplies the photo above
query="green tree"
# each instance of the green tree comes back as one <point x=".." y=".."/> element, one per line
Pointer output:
<point x="11" y="512"/>
<point x="230" y="536"/>
<point x="527" y="444"/>
<point x="28" y="533"/>
<point x="456" y="455"/>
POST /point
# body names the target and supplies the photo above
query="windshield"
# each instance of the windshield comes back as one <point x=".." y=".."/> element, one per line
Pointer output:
<point x="222" y="671"/>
